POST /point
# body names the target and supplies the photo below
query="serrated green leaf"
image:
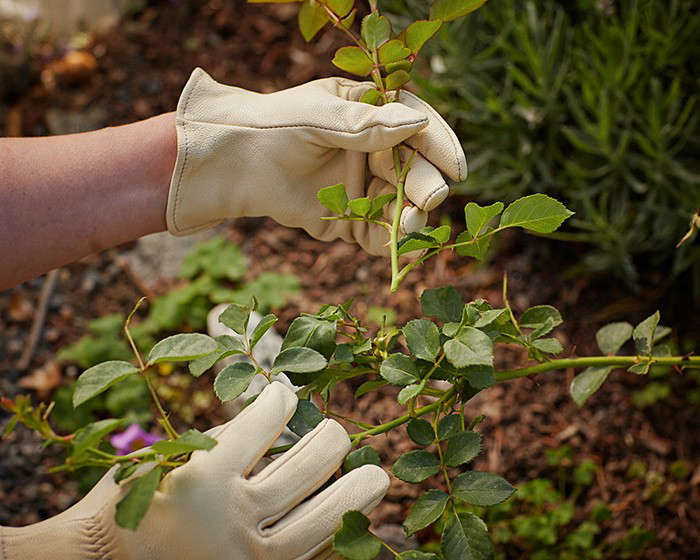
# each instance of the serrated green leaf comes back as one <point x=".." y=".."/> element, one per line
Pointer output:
<point x="366" y="455"/>
<point x="476" y="249"/>
<point x="298" y="360"/>
<point x="462" y="448"/>
<point x="311" y="18"/>
<point x="419" y="32"/>
<point x="191" y="440"/>
<point x="416" y="466"/>
<point x="228" y="346"/>
<point x="488" y="317"/>
<point x="99" y="378"/>
<point x="261" y="328"/>
<point x="415" y="242"/>
<point x="306" y="417"/>
<point x="478" y="217"/>
<point x="548" y="345"/>
<point x="371" y="97"/>
<point x="588" y="382"/>
<point x="369" y="386"/>
<point x="334" y="198"/>
<point x="409" y="392"/>
<point x="393" y="51"/>
<point x="360" y="206"/>
<point x="442" y="303"/>
<point x="423" y="339"/>
<point x="182" y="348"/>
<point x="375" y="30"/>
<point x="353" y="540"/>
<point x="132" y="508"/>
<point x="378" y="204"/>
<point x="441" y="234"/>
<point x="399" y="369"/>
<point x="353" y="60"/>
<point x="641" y="368"/>
<point x="420" y="431"/>
<point x="481" y="488"/>
<point x="465" y="537"/>
<point x="448" y="10"/>
<point x="643" y="334"/>
<point x="92" y="434"/>
<point x="311" y="332"/>
<point x="397" y="79"/>
<point x="233" y="380"/>
<point x="343" y="353"/>
<point x="541" y="318"/>
<point x="236" y="317"/>
<point x="471" y="347"/>
<point x="479" y="377"/>
<point x="612" y="337"/>
<point x="124" y="471"/>
<point x="340" y="7"/>
<point x="536" y="212"/>
<point x="449" y="426"/>
<point x="400" y="65"/>
<point x="425" y="511"/>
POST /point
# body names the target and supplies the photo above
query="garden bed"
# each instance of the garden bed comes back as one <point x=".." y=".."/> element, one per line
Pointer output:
<point x="141" y="67"/>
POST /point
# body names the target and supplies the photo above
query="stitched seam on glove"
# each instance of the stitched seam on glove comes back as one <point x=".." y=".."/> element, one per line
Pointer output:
<point x="187" y="149"/>
<point x="431" y="194"/>
<point x="409" y="124"/>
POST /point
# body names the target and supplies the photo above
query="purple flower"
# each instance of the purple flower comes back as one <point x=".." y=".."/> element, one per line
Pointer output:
<point x="131" y="439"/>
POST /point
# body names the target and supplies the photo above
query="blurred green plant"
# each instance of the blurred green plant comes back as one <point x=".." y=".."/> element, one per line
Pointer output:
<point x="592" y="101"/>
<point x="544" y="522"/>
<point x="213" y="273"/>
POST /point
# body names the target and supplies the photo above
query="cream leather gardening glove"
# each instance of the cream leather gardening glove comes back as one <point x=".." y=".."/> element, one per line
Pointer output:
<point x="242" y="153"/>
<point x="212" y="508"/>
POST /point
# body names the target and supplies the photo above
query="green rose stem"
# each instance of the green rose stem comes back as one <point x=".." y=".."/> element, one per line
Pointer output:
<point x="400" y="171"/>
<point x="172" y="433"/>
<point x="394" y="237"/>
<point x="410" y="266"/>
<point x="616" y="361"/>
<point x="565" y="363"/>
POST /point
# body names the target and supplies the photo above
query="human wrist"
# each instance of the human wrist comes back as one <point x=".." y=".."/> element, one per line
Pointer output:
<point x="161" y="145"/>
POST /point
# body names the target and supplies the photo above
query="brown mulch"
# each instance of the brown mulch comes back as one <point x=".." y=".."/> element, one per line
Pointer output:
<point x="141" y="67"/>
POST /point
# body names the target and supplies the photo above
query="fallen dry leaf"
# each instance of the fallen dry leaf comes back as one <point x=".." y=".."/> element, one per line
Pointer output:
<point x="42" y="380"/>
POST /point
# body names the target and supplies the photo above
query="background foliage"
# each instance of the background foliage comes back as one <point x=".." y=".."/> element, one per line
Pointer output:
<point x="591" y="101"/>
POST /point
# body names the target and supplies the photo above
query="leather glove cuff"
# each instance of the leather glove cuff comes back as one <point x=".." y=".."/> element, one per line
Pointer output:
<point x="191" y="204"/>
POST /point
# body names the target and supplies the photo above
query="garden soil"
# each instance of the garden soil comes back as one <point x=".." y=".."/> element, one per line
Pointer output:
<point x="137" y="70"/>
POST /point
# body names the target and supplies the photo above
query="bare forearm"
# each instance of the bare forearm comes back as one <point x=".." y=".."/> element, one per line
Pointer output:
<point x="65" y="197"/>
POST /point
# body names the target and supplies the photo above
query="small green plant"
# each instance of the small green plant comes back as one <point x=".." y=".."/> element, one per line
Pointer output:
<point x="213" y="273"/>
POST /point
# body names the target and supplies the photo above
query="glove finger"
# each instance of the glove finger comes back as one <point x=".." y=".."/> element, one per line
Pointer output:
<point x="361" y="127"/>
<point x="310" y="463"/>
<point x="437" y="141"/>
<point x="246" y="438"/>
<point x="309" y="528"/>
<point x="424" y="186"/>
